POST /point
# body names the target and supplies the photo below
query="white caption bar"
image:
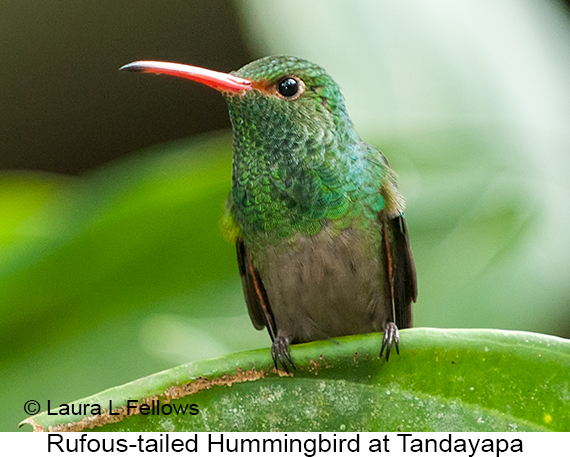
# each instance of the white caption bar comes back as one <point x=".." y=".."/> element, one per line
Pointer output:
<point x="295" y="444"/>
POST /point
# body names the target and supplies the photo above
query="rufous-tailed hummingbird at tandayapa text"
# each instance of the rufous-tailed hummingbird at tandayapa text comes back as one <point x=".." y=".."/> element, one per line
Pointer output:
<point x="322" y="244"/>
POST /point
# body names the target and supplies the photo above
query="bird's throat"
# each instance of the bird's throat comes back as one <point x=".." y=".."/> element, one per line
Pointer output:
<point x="290" y="173"/>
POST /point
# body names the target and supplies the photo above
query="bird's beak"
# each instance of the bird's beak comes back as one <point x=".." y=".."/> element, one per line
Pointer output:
<point x="223" y="82"/>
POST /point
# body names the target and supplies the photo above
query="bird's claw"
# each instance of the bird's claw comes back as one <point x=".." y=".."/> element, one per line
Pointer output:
<point x="281" y="355"/>
<point x="391" y="336"/>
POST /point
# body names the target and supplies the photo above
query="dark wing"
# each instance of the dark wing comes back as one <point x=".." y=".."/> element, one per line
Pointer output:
<point x="400" y="269"/>
<point x="254" y="292"/>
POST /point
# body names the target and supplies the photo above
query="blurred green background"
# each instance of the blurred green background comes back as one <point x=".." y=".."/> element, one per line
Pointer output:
<point x="112" y="265"/>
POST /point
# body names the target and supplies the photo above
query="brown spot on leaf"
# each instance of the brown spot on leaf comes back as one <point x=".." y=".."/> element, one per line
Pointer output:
<point x="172" y="393"/>
<point x="29" y="421"/>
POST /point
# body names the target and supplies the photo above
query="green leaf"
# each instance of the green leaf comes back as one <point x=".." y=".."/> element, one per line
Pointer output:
<point x="22" y="194"/>
<point x="116" y="274"/>
<point x="443" y="380"/>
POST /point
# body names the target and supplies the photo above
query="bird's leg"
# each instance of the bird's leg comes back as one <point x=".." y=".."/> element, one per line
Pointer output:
<point x="280" y="353"/>
<point x="391" y="336"/>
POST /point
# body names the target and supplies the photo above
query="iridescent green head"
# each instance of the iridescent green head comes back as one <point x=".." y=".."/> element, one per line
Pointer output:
<point x="294" y="86"/>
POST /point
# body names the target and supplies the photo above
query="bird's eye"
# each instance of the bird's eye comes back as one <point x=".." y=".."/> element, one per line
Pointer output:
<point x="290" y="87"/>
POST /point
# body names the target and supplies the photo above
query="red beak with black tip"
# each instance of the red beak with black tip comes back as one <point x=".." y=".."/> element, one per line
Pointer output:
<point x="222" y="82"/>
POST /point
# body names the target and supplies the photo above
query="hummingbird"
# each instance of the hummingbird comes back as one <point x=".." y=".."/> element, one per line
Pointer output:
<point x="315" y="213"/>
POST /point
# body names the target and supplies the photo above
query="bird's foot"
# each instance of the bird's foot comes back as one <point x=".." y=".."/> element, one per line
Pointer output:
<point x="280" y="353"/>
<point x="391" y="336"/>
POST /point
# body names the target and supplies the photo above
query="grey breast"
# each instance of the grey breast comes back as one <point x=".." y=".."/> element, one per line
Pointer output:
<point x="326" y="285"/>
